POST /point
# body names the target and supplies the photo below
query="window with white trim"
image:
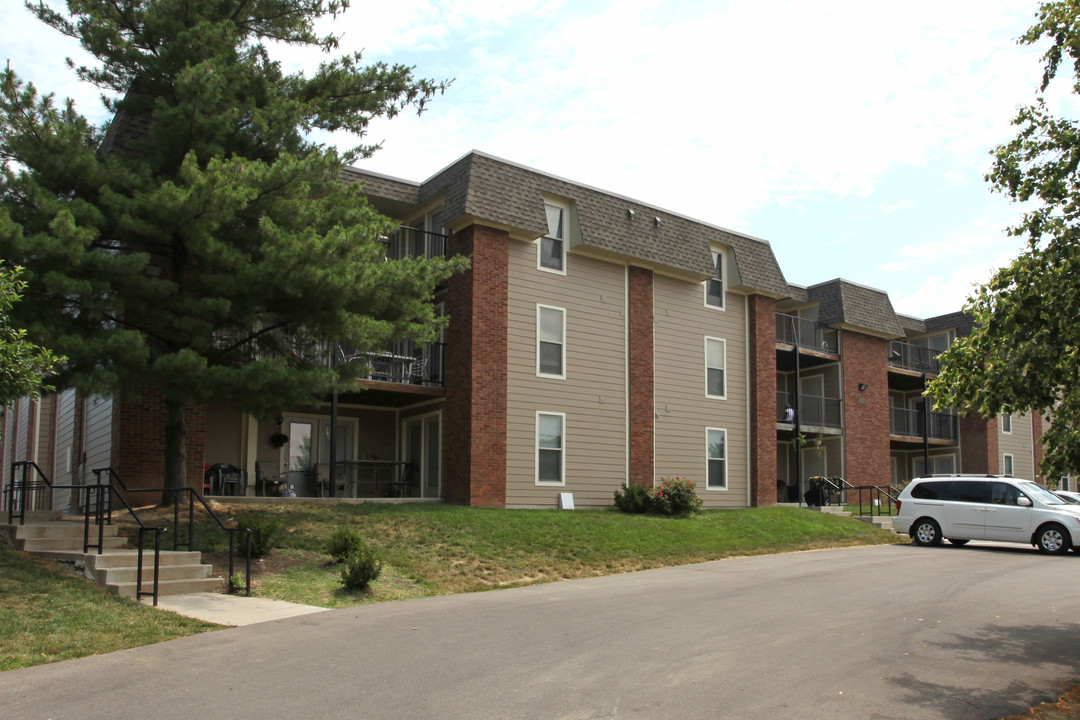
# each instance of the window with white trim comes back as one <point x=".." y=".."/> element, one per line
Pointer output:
<point x="550" y="448"/>
<point x="714" y="286"/>
<point x="715" y="365"/>
<point x="716" y="458"/>
<point x="1007" y="464"/>
<point x="550" y="341"/>
<point x="551" y="248"/>
<point x="1006" y="424"/>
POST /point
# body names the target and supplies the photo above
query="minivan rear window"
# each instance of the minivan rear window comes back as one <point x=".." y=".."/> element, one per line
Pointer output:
<point x="931" y="491"/>
<point x="955" y="490"/>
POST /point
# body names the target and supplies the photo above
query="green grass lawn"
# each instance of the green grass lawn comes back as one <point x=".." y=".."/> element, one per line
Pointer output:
<point x="49" y="614"/>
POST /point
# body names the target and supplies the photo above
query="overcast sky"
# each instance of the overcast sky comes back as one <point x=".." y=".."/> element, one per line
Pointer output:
<point x="852" y="136"/>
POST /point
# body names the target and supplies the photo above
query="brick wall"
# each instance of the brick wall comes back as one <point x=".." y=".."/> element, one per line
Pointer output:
<point x="866" y="412"/>
<point x="978" y="445"/>
<point x="474" y="434"/>
<point x="761" y="318"/>
<point x="1037" y="447"/>
<point x="641" y="390"/>
<point x="138" y="443"/>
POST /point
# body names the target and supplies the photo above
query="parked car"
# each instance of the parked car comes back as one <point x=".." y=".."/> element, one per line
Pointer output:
<point x="1068" y="496"/>
<point x="960" y="508"/>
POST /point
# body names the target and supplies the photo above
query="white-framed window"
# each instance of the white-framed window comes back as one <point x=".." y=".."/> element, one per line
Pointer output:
<point x="550" y="448"/>
<point x="939" y="465"/>
<point x="550" y="341"/>
<point x="1006" y="424"/>
<point x="714" y="286"/>
<point x="1007" y="464"/>
<point x="551" y="248"/>
<point x="716" y="458"/>
<point x="715" y="366"/>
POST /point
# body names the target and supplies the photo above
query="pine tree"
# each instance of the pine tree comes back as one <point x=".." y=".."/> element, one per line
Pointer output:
<point x="202" y="228"/>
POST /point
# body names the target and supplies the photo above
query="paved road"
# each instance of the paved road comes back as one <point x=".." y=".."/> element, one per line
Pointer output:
<point x="877" y="632"/>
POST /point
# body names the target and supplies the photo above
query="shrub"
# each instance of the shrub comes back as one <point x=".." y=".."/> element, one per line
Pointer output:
<point x="343" y="542"/>
<point x="633" y="499"/>
<point x="360" y="569"/>
<point x="675" y="496"/>
<point x="266" y="533"/>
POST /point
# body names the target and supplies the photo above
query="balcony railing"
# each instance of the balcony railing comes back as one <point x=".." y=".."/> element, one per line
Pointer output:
<point x="906" y="356"/>
<point x="412" y="242"/>
<point x="910" y="423"/>
<point x="403" y="361"/>
<point x="806" y="333"/>
<point x="812" y="409"/>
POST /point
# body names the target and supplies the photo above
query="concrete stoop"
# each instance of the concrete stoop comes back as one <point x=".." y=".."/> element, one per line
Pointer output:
<point x="116" y="568"/>
<point x="836" y="510"/>
<point x="883" y="522"/>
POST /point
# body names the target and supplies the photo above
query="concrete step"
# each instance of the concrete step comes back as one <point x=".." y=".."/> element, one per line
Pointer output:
<point x="41" y="529"/>
<point x="837" y="510"/>
<point x="129" y="558"/>
<point x="883" y="522"/>
<point x="66" y="544"/>
<point x="169" y="587"/>
<point x="121" y="575"/>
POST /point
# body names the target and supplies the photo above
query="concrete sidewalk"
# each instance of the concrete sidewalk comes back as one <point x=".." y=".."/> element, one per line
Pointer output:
<point x="233" y="610"/>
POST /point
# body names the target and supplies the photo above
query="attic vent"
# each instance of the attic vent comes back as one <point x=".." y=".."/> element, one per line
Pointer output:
<point x="630" y="213"/>
<point x="656" y="221"/>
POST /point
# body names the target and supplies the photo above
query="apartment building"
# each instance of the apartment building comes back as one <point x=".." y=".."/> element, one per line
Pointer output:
<point x="595" y="340"/>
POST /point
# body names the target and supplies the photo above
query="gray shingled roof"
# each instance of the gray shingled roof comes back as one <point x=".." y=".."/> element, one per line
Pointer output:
<point x="486" y="188"/>
<point x="911" y="325"/>
<point x="959" y="320"/>
<point x="862" y="308"/>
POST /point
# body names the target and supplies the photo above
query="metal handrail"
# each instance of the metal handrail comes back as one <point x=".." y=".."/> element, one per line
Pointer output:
<point x="95" y="498"/>
<point x="841" y="487"/>
<point x="192" y="496"/>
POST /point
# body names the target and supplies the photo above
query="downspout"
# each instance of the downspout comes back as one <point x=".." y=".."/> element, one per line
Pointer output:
<point x="798" y="413"/>
<point x="926" y="429"/>
<point x="750" y="465"/>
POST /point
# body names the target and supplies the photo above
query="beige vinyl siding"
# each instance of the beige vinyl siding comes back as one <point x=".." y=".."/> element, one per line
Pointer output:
<point x="99" y="417"/>
<point x="1018" y="444"/>
<point x="43" y="436"/>
<point x="593" y="394"/>
<point x="224" y="435"/>
<point x="682" y="410"/>
<point x="22" y="431"/>
<point x="63" y="452"/>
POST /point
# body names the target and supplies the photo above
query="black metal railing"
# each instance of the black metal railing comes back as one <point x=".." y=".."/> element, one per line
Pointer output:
<point x="906" y="356"/>
<point x="409" y="242"/>
<point x="875" y="499"/>
<point x="404" y="362"/>
<point x="192" y="496"/>
<point x="806" y="333"/>
<point x="96" y="503"/>
<point x="910" y="423"/>
<point x="812" y="409"/>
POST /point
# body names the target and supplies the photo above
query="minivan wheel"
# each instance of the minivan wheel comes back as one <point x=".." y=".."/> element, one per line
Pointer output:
<point x="958" y="541"/>
<point x="1052" y="539"/>
<point x="926" y="532"/>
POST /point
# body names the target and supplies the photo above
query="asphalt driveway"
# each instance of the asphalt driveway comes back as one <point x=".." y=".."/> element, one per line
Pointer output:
<point x="875" y="632"/>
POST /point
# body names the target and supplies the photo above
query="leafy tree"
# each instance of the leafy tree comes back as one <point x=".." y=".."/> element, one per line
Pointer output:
<point x="1024" y="352"/>
<point x="23" y="365"/>
<point x="203" y="228"/>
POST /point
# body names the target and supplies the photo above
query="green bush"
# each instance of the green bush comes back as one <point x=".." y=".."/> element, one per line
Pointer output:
<point x="676" y="497"/>
<point x="266" y="533"/>
<point x="633" y="499"/>
<point x="343" y="542"/>
<point x="360" y="569"/>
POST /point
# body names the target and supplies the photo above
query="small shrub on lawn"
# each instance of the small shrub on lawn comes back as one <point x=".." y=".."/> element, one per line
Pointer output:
<point x="343" y="542"/>
<point x="266" y="533"/>
<point x="633" y="499"/>
<point x="360" y="569"/>
<point x="675" y="496"/>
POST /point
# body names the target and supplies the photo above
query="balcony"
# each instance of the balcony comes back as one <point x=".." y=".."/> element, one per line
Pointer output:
<point x="814" y="410"/>
<point x="910" y="423"/>
<point x="904" y="356"/>
<point x="402" y="362"/>
<point x="407" y="242"/>
<point x="806" y="334"/>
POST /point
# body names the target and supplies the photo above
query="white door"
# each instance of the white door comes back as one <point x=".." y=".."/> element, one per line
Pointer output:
<point x="423" y="448"/>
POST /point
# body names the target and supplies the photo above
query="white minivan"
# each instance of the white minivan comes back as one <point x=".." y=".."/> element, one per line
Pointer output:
<point x="959" y="508"/>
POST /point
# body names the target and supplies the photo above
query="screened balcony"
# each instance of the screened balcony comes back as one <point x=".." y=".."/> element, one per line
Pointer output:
<point x="910" y="423"/>
<point x="905" y="356"/>
<point x="813" y="410"/>
<point x="408" y="242"/>
<point x="807" y="334"/>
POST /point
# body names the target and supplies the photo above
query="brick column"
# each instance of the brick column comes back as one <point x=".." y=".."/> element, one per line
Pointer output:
<point x="978" y="445"/>
<point x="474" y="431"/>
<point x="138" y="443"/>
<point x="866" y="412"/>
<point x="641" y="375"/>
<point x="761" y="322"/>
